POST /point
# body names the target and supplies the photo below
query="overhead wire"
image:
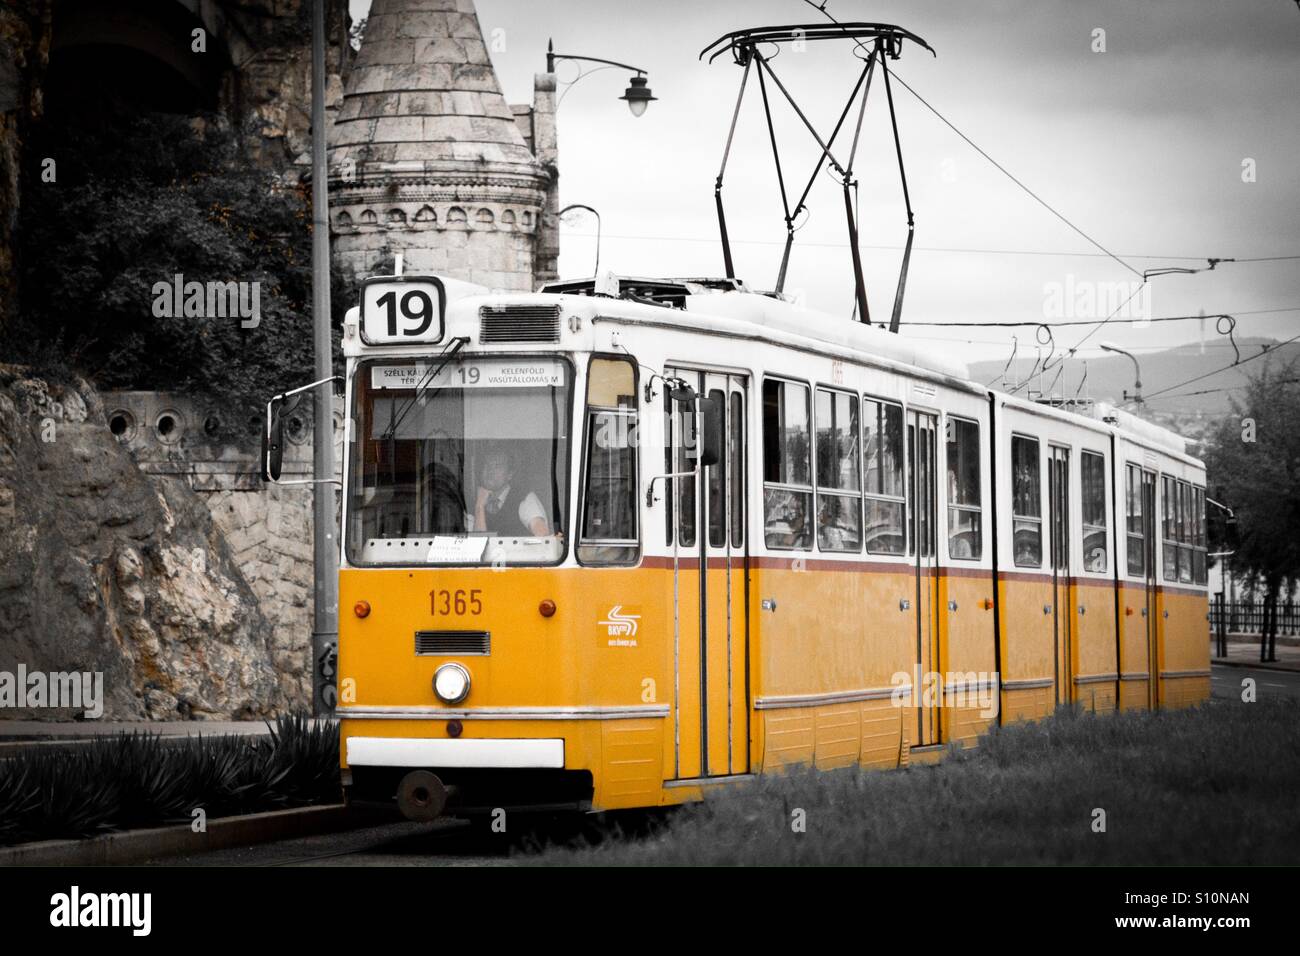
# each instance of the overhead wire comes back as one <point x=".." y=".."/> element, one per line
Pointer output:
<point x="1268" y="350"/>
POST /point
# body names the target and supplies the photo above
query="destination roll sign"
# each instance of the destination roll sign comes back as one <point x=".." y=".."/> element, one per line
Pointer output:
<point x="476" y="373"/>
<point x="402" y="310"/>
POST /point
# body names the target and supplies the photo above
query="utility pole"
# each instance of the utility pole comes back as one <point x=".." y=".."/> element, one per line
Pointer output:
<point x="325" y="619"/>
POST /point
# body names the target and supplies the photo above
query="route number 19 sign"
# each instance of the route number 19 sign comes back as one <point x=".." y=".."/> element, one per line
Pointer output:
<point x="402" y="310"/>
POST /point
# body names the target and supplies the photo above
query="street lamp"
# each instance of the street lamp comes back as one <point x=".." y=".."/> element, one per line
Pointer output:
<point x="578" y="205"/>
<point x="1137" y="370"/>
<point x="637" y="95"/>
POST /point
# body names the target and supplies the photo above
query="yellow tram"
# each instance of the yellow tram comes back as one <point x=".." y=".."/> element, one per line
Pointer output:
<point x="616" y="541"/>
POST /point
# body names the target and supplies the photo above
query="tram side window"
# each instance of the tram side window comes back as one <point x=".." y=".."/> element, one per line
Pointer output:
<point x="737" y="472"/>
<point x="669" y="491"/>
<point x="839" y="488"/>
<point x="1133" y="515"/>
<point x="882" y="455"/>
<point x="965" y="527"/>
<point x="1026" y="503"/>
<point x="679" y="493"/>
<point x="1186" y="532"/>
<point x="716" y="479"/>
<point x="1169" y="526"/>
<point x="1093" y="478"/>
<point x="609" y="532"/>
<point x="1199" y="543"/>
<point x="787" y="472"/>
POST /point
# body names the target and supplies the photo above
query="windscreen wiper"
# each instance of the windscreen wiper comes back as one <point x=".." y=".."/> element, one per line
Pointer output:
<point x="446" y="355"/>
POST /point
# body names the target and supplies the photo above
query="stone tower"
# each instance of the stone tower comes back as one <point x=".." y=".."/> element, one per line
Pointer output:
<point x="427" y="158"/>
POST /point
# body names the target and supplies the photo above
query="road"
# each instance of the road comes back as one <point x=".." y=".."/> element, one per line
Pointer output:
<point x="442" y="843"/>
<point x="1225" y="682"/>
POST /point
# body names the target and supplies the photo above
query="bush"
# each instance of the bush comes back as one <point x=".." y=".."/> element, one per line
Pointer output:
<point x="141" y="780"/>
<point x="135" y="202"/>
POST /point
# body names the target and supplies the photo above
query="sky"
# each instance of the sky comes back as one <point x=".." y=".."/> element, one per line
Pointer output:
<point x="1141" y="147"/>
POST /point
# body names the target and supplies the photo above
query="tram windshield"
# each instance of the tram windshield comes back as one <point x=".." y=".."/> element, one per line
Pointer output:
<point x="466" y="467"/>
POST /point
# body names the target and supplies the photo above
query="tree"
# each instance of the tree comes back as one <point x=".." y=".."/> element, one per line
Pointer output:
<point x="138" y="201"/>
<point x="1253" y="462"/>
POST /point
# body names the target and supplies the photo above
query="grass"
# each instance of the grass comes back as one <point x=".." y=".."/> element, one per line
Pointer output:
<point x="1213" y="785"/>
<point x="139" y="780"/>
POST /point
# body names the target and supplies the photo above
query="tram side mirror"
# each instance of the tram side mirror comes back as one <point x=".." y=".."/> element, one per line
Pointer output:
<point x="273" y="439"/>
<point x="712" y="426"/>
<point x="1221" y="526"/>
<point x="679" y="391"/>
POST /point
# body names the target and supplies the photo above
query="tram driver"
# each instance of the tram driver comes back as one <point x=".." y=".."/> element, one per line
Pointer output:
<point x="502" y="506"/>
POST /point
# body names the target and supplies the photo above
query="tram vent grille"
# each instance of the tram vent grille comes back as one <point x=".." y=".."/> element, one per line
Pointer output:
<point x="442" y="643"/>
<point x="519" y="323"/>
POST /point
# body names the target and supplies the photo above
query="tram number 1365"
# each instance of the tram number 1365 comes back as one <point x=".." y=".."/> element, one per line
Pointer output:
<point x="460" y="602"/>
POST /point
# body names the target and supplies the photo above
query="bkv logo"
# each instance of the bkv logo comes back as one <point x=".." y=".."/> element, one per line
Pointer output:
<point x="621" y="626"/>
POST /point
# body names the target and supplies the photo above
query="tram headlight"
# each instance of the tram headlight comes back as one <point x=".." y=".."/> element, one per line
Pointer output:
<point x="451" y="683"/>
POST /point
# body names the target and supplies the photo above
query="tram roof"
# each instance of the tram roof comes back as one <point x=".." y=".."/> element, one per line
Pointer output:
<point x="722" y="306"/>
<point x="730" y="299"/>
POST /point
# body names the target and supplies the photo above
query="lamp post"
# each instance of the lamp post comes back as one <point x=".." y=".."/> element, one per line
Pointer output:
<point x="637" y="95"/>
<point x="325" y="619"/>
<point x="1137" y="370"/>
<point x="578" y="205"/>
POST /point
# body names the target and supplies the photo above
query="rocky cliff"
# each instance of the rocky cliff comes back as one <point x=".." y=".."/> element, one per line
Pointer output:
<point x="106" y="569"/>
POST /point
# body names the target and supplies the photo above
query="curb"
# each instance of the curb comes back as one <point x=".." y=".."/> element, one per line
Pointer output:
<point x="136" y="846"/>
<point x="1256" y="665"/>
<point x="11" y="746"/>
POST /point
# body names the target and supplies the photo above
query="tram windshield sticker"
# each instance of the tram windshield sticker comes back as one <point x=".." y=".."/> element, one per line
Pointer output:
<point x="479" y="373"/>
<point x="456" y="549"/>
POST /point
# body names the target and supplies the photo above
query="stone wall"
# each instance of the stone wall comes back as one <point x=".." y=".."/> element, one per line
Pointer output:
<point x="107" y="569"/>
<point x="267" y="527"/>
<point x="448" y="230"/>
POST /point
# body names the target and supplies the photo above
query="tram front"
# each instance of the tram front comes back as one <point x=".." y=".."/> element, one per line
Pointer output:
<point x="465" y="680"/>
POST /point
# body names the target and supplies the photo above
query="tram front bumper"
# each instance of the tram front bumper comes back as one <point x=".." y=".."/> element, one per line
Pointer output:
<point x="481" y="772"/>
<point x="481" y="753"/>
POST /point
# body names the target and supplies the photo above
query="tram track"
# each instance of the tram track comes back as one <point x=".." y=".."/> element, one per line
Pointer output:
<point x="447" y="842"/>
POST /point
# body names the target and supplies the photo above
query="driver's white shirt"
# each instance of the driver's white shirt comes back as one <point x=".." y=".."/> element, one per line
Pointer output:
<point x="529" y="508"/>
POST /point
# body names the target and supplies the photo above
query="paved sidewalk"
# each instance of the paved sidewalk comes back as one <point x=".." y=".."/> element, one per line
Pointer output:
<point x="1247" y="655"/>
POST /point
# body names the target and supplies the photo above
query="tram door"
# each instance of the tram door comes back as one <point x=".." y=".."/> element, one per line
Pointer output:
<point x="1058" y="495"/>
<point x="1149" y="549"/>
<point x="922" y="441"/>
<point x="711" y="715"/>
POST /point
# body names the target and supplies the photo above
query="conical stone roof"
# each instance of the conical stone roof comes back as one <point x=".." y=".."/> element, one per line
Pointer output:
<point x="426" y="158"/>
<point x="423" y="91"/>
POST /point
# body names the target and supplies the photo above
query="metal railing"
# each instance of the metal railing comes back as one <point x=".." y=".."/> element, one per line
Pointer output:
<point x="1247" y="617"/>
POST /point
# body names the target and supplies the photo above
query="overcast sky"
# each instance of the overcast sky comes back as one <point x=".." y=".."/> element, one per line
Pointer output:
<point x="1141" y="146"/>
